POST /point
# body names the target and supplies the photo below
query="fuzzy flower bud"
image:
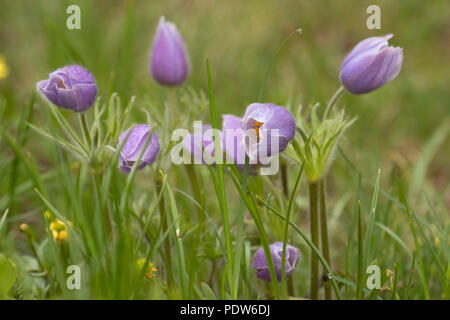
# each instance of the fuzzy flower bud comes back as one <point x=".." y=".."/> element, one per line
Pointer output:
<point x="71" y="87"/>
<point x="169" y="63"/>
<point x="276" y="249"/>
<point x="370" y="65"/>
<point x="133" y="146"/>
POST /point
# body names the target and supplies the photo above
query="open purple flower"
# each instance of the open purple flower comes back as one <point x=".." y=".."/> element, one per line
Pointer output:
<point x="276" y="249"/>
<point x="200" y="145"/>
<point x="231" y="143"/>
<point x="169" y="63"/>
<point x="71" y="87"/>
<point x="370" y="65"/>
<point x="268" y="130"/>
<point x="133" y="146"/>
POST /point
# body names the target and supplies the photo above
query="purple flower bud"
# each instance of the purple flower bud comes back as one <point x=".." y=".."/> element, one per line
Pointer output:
<point x="70" y="87"/>
<point x="169" y="63"/>
<point x="276" y="249"/>
<point x="371" y="64"/>
<point x="133" y="146"/>
<point x="268" y="129"/>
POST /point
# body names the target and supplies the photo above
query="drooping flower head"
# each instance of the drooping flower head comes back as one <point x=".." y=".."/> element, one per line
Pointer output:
<point x="370" y="65"/>
<point x="71" y="87"/>
<point x="276" y="249"/>
<point x="169" y="63"/>
<point x="268" y="130"/>
<point x="133" y="146"/>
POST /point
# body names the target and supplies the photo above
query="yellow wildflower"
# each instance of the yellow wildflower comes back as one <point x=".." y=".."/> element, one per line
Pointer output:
<point x="59" y="230"/>
<point x="150" y="268"/>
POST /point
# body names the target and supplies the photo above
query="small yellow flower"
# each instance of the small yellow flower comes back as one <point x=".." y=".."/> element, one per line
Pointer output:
<point x="59" y="230"/>
<point x="4" y="69"/>
<point x="150" y="268"/>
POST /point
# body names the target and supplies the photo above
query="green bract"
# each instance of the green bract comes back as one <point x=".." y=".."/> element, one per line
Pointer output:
<point x="316" y="141"/>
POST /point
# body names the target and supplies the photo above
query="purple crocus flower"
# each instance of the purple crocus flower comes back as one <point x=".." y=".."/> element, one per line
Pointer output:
<point x="276" y="249"/>
<point x="370" y="65"/>
<point x="268" y="129"/>
<point x="133" y="146"/>
<point x="169" y="64"/>
<point x="231" y="141"/>
<point x="71" y="87"/>
<point x="201" y="143"/>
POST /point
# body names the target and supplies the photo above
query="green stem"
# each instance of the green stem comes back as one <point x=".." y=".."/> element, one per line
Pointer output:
<point x="167" y="253"/>
<point x="314" y="227"/>
<point x="261" y="91"/>
<point x="324" y="234"/>
<point x="192" y="177"/>
<point x="334" y="99"/>
<point x="284" y="179"/>
<point x="195" y="186"/>
<point x="172" y="101"/>
<point x="285" y="237"/>
<point x="85" y="130"/>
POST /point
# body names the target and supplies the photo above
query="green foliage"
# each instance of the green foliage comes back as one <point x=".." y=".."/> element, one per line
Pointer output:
<point x="316" y="141"/>
<point x="396" y="217"/>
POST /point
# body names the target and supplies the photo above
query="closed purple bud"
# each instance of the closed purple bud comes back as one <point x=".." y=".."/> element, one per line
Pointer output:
<point x="70" y="87"/>
<point x="133" y="146"/>
<point x="169" y="64"/>
<point x="370" y="65"/>
<point x="268" y="129"/>
<point x="276" y="249"/>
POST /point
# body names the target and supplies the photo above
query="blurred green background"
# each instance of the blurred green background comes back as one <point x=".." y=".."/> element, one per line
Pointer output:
<point x="396" y="124"/>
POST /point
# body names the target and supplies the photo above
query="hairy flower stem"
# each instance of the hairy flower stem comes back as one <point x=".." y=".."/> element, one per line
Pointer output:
<point x="173" y="107"/>
<point x="314" y="227"/>
<point x="164" y="226"/>
<point x="334" y="99"/>
<point x="193" y="179"/>
<point x="85" y="130"/>
<point x="324" y="233"/>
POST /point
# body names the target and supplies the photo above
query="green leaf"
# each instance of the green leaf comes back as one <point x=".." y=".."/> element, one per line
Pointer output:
<point x="7" y="275"/>
<point x="208" y="292"/>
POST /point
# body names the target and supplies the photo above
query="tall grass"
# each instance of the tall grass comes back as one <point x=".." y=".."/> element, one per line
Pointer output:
<point x="216" y="218"/>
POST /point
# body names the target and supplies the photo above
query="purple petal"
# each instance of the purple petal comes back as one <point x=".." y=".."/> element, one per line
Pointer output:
<point x="132" y="148"/>
<point x="71" y="87"/>
<point x="169" y="62"/>
<point x="370" y="65"/>
<point x="271" y="124"/>
<point x="276" y="249"/>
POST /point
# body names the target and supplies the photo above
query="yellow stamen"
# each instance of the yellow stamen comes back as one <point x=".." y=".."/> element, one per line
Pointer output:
<point x="61" y="84"/>
<point x="256" y="127"/>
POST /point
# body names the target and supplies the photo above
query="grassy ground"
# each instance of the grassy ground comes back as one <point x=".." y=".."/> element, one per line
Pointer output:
<point x="394" y="159"/>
